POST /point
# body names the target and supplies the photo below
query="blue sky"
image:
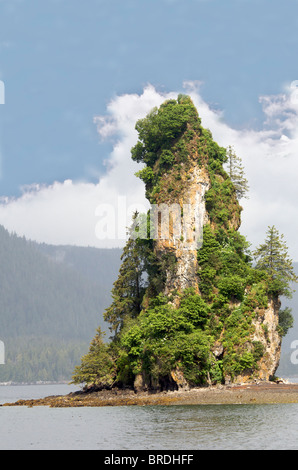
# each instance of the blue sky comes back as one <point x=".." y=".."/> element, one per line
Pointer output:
<point x="64" y="61"/>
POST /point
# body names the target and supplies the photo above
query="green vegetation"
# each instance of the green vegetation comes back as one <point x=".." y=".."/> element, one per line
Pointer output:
<point x="166" y="139"/>
<point x="236" y="173"/>
<point x="98" y="358"/>
<point x="272" y="258"/>
<point x="128" y="290"/>
<point x="205" y="335"/>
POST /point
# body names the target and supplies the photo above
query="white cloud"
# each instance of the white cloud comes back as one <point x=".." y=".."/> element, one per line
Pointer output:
<point x="68" y="213"/>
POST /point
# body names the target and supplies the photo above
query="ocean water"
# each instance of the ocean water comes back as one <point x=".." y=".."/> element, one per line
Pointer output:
<point x="199" y="427"/>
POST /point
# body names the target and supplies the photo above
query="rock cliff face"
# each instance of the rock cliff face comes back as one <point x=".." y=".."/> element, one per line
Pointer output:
<point x="180" y="217"/>
<point x="204" y="315"/>
<point x="266" y="332"/>
<point x="187" y="216"/>
<point x="183" y="241"/>
<point x="188" y="309"/>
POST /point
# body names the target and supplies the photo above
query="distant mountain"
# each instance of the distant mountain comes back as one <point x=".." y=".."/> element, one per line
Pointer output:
<point x="94" y="264"/>
<point x="51" y="302"/>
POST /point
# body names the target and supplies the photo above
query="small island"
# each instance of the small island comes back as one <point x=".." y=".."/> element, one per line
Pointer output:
<point x="195" y="317"/>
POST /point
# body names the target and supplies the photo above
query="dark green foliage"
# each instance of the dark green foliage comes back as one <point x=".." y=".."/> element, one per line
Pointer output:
<point x="258" y="350"/>
<point x="221" y="199"/>
<point x="227" y="276"/>
<point x="216" y="155"/>
<point x="205" y="335"/>
<point x="129" y="288"/>
<point x="224" y="264"/>
<point x="272" y="258"/>
<point x="147" y="175"/>
<point x="286" y="320"/>
<point x="164" y="136"/>
<point x="97" y="366"/>
<point x="158" y="130"/>
<point x="231" y="287"/>
<point x="164" y="338"/>
<point x="194" y="308"/>
<point x="167" y="158"/>
<point x="218" y="202"/>
<point x="235" y="171"/>
<point x="157" y="268"/>
<point x="140" y="268"/>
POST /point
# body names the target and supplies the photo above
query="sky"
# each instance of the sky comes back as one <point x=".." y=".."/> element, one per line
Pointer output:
<point x="77" y="76"/>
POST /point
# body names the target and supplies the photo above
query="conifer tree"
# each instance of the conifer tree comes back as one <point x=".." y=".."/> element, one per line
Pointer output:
<point x="272" y="257"/>
<point x="129" y="288"/>
<point x="97" y="367"/>
<point x="159" y="332"/>
<point x="236" y="173"/>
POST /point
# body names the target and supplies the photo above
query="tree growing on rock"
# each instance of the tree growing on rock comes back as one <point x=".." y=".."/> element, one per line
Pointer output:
<point x="272" y="257"/>
<point x="236" y="173"/>
<point x="201" y="331"/>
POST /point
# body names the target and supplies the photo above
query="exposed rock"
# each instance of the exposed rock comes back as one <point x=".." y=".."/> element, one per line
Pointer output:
<point x="217" y="349"/>
<point x="189" y="190"/>
<point x="255" y="393"/>
<point x="266" y="332"/>
<point x="183" y="237"/>
<point x="179" y="379"/>
<point x="185" y="233"/>
<point x="138" y="383"/>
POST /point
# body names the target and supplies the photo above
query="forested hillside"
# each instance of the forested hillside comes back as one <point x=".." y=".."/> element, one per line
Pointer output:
<point x="51" y="301"/>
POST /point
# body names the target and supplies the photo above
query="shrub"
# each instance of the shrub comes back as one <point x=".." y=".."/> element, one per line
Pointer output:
<point x="146" y="174"/>
<point x="194" y="308"/>
<point x="286" y="321"/>
<point x="167" y="158"/>
<point x="231" y="287"/>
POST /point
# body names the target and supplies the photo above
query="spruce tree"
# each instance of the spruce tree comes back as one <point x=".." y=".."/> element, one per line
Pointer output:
<point x="97" y="368"/>
<point x="129" y="288"/>
<point x="163" y="333"/>
<point x="272" y="257"/>
<point x="236" y="173"/>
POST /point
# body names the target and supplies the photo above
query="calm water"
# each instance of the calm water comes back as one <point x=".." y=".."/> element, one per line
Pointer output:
<point x="147" y="427"/>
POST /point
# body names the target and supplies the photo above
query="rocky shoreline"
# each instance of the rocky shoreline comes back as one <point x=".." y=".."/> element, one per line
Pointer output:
<point x="256" y="393"/>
